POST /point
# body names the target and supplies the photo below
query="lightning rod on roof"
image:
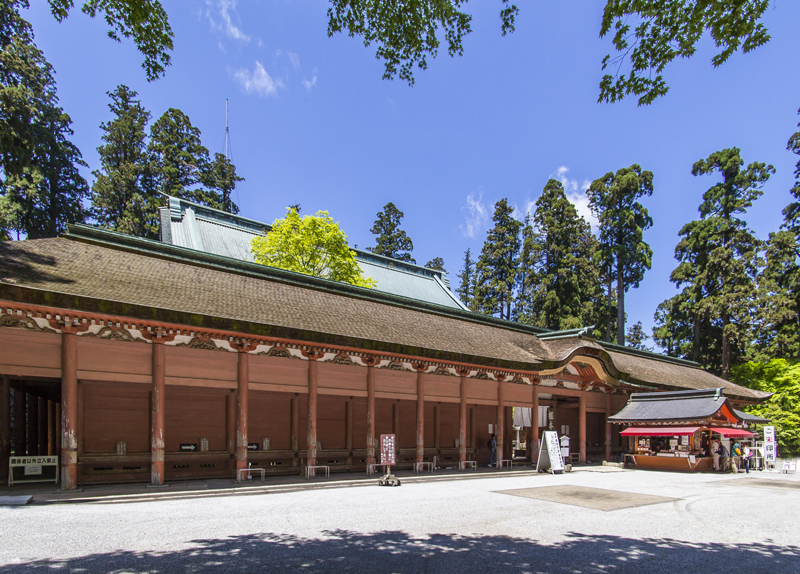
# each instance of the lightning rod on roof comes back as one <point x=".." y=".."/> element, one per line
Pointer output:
<point x="227" y="132"/>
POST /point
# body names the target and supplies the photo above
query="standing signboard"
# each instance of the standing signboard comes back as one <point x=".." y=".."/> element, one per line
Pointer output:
<point x="770" y="447"/>
<point x="550" y="453"/>
<point x="388" y="450"/>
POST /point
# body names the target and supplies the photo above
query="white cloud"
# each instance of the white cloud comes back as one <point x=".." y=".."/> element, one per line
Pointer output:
<point x="295" y="59"/>
<point x="477" y="216"/>
<point x="258" y="82"/>
<point x="576" y="193"/>
<point x="225" y="9"/>
<point x="313" y="82"/>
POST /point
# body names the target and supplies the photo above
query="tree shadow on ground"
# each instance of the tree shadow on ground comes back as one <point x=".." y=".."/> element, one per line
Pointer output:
<point x="343" y="551"/>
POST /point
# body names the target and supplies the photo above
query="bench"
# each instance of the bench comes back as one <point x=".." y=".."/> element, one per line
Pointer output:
<point x="371" y="468"/>
<point x="503" y="463"/>
<point x="462" y="465"/>
<point x="574" y="457"/>
<point x="241" y="471"/>
<point x="309" y="469"/>
<point x="420" y="467"/>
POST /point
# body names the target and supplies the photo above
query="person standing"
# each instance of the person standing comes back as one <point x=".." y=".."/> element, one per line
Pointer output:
<point x="716" y="450"/>
<point x="492" y="450"/>
<point x="747" y="454"/>
<point x="736" y="452"/>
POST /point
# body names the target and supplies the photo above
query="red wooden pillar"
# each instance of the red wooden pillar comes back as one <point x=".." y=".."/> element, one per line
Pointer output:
<point x="58" y="428"/>
<point x="472" y="426"/>
<point x="462" y="420"/>
<point x="242" y="382"/>
<point x="608" y="427"/>
<point x="370" y="409"/>
<point x="535" y="421"/>
<point x="501" y="419"/>
<point x="5" y="426"/>
<point x="51" y="428"/>
<point x="157" y="399"/>
<point x="582" y="426"/>
<point x="230" y="424"/>
<point x="69" y="411"/>
<point x="19" y="422"/>
<point x="396" y="420"/>
<point x="420" y="440"/>
<point x="295" y="417"/>
<point x="311" y="439"/>
<point x="42" y="430"/>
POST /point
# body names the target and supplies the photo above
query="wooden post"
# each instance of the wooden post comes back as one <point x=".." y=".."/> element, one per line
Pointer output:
<point x="19" y="421"/>
<point x="501" y="420"/>
<point x="370" y="409"/>
<point x="32" y="406"/>
<point x="348" y="424"/>
<point x="5" y="426"/>
<point x="242" y="381"/>
<point x="69" y="411"/>
<point x="396" y="421"/>
<point x="230" y="423"/>
<point x="420" y="439"/>
<point x="462" y="420"/>
<point x="437" y="422"/>
<point x="157" y="401"/>
<point x="535" y="421"/>
<point x="608" y="427"/>
<point x="58" y="428"/>
<point x="472" y="426"/>
<point x="582" y="426"/>
<point x="311" y="439"/>
<point x="42" y="430"/>
<point x="295" y="406"/>
<point x="51" y="428"/>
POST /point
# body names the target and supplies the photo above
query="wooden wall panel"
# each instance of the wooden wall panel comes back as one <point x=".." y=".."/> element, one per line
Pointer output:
<point x="383" y="417"/>
<point x="442" y="388"/>
<point x="596" y="400"/>
<point x="428" y="433"/>
<point x="347" y="379"/>
<point x="200" y="365"/>
<point x="407" y="437"/>
<point x="115" y="412"/>
<point x="113" y="360"/>
<point x="30" y="353"/>
<point x="448" y="427"/>
<point x="395" y="383"/>
<point x="517" y="395"/>
<point x="359" y="423"/>
<point x="485" y="415"/>
<point x="279" y="374"/>
<point x="269" y="416"/>
<point x="191" y="413"/>
<point x="482" y="391"/>
<point x="331" y="422"/>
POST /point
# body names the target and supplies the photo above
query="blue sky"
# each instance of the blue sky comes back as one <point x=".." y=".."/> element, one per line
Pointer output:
<point x="312" y="122"/>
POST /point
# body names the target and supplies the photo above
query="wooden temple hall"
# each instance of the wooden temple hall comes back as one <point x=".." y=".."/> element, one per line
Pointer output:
<point x="140" y="360"/>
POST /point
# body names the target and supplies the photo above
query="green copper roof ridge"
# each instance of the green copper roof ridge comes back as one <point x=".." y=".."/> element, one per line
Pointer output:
<point x="153" y="247"/>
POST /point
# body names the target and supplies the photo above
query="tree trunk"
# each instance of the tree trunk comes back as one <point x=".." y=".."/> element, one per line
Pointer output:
<point x="608" y="314"/>
<point x="726" y="347"/>
<point x="696" y="338"/>
<point x="620" y="306"/>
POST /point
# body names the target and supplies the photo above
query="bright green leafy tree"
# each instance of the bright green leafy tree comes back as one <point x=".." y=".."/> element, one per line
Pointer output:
<point x="781" y="377"/>
<point x="312" y="245"/>
<point x="497" y="266"/>
<point x="614" y="199"/>
<point x="391" y="241"/>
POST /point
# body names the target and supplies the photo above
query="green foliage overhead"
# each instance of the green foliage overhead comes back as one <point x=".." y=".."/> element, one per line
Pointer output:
<point x="498" y="264"/>
<point x="391" y="241"/>
<point x="781" y="377"/>
<point x="623" y="253"/>
<point x="637" y="338"/>
<point x="145" y="21"/>
<point x="649" y="34"/>
<point x="312" y="245"/>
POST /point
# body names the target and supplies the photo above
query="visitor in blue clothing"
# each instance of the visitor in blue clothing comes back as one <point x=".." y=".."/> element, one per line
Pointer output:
<point x="492" y="450"/>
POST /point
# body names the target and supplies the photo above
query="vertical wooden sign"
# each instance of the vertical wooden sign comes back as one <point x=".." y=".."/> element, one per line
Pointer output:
<point x="388" y="450"/>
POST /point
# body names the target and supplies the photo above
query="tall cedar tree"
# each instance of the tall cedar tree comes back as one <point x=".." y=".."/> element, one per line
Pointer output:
<point x="123" y="194"/>
<point x="437" y="264"/>
<point x="719" y="254"/>
<point x="467" y="278"/>
<point x="179" y="158"/>
<point x="497" y="266"/>
<point x="637" y="337"/>
<point x="557" y="256"/>
<point x="614" y="200"/>
<point x="391" y="241"/>
<point x="41" y="188"/>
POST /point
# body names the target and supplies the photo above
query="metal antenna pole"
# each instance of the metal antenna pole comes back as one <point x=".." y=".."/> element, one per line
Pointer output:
<point x="227" y="133"/>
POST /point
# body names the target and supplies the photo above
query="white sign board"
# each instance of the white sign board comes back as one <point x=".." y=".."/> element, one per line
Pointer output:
<point x="770" y="446"/>
<point x="550" y="453"/>
<point x="32" y="467"/>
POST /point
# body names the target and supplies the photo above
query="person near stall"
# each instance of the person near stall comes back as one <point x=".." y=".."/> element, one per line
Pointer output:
<point x="746" y="458"/>
<point x="716" y="452"/>
<point x="736" y="452"/>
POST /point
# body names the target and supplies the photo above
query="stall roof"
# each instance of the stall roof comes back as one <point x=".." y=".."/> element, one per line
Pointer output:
<point x="733" y="432"/>
<point x="660" y="431"/>
<point x="675" y="406"/>
<point x="748" y="418"/>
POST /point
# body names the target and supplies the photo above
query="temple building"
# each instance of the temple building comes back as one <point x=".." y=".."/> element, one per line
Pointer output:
<point x="141" y="360"/>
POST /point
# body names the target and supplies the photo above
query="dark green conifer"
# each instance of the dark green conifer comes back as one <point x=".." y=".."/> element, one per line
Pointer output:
<point x="497" y="266"/>
<point x="466" y="286"/>
<point x="391" y="241"/>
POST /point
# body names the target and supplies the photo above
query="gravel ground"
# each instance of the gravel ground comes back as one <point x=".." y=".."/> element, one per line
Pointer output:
<point x="715" y="525"/>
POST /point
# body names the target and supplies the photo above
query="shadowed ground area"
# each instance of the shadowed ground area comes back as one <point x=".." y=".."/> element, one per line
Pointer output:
<point x="388" y="551"/>
<point x="763" y="483"/>
<point x="596" y="498"/>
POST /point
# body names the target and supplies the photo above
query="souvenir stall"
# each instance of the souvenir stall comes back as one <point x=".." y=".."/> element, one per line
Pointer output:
<point x="674" y="430"/>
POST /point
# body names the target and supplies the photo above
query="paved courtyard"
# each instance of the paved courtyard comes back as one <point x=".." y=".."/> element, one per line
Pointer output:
<point x="587" y="522"/>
